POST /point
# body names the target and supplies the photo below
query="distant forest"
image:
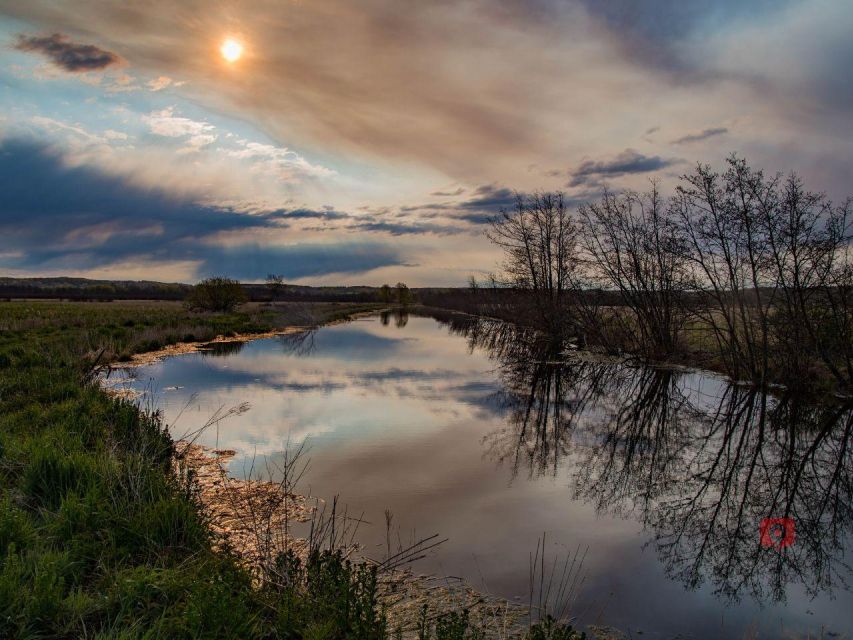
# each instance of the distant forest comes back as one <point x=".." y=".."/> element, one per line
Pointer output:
<point x="84" y="289"/>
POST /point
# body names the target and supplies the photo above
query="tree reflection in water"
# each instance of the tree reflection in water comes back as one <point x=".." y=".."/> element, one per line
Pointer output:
<point x="699" y="470"/>
<point x="401" y="317"/>
<point x="299" y="343"/>
<point x="219" y="349"/>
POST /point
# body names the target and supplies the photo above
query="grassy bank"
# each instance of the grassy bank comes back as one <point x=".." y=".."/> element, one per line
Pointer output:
<point x="97" y="537"/>
<point x="100" y="539"/>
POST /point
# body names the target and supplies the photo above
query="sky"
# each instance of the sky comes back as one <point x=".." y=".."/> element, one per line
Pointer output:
<point x="369" y="141"/>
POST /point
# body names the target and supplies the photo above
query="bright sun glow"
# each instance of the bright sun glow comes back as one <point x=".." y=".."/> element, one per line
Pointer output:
<point x="231" y="50"/>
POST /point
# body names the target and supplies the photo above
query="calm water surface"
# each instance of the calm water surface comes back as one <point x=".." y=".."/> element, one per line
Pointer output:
<point x="480" y="434"/>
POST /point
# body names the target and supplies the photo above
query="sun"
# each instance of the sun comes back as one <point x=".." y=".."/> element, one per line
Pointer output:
<point x="231" y="50"/>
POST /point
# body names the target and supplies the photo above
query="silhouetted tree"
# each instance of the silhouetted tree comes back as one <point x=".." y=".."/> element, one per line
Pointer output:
<point x="756" y="267"/>
<point x="216" y="294"/>
<point x="772" y="265"/>
<point x="275" y="283"/>
<point x="385" y="293"/>
<point x="404" y="295"/>
<point x="633" y="246"/>
<point x="538" y="238"/>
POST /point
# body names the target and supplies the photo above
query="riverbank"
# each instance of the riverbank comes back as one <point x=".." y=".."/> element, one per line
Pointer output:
<point x="98" y="536"/>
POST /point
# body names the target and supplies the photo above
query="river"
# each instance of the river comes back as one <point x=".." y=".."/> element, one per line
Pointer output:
<point x="659" y="479"/>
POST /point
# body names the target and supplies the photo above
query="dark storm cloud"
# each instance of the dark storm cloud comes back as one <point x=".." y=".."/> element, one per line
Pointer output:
<point x="374" y="222"/>
<point x="628" y="162"/>
<point x="253" y="261"/>
<point x="44" y="201"/>
<point x="448" y="194"/>
<point x="311" y="214"/>
<point x="407" y="228"/>
<point x="71" y="56"/>
<point x="484" y="203"/>
<point x="702" y="135"/>
<point x="55" y="217"/>
<point x="490" y="198"/>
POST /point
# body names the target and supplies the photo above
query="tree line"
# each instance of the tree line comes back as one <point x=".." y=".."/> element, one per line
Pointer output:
<point x="223" y="294"/>
<point x="746" y="272"/>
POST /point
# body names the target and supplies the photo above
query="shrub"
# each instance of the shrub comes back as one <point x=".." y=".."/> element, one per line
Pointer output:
<point x="327" y="596"/>
<point x="216" y="294"/>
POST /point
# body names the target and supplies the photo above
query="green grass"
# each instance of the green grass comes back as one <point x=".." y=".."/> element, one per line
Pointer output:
<point x="99" y="539"/>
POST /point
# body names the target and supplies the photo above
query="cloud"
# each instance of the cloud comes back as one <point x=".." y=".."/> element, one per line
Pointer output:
<point x="666" y="21"/>
<point x="407" y="228"/>
<point x="68" y="55"/>
<point x="485" y="202"/>
<point x="475" y="91"/>
<point x="591" y="172"/>
<point x="159" y="83"/>
<point x="112" y="134"/>
<point x="74" y="132"/>
<point x="75" y="218"/>
<point x="490" y="198"/>
<point x="166" y="123"/>
<point x="375" y="222"/>
<point x="448" y="194"/>
<point x="279" y="161"/>
<point x="656" y="31"/>
<point x="445" y="94"/>
<point x="479" y="208"/>
<point x="701" y="135"/>
<point x="805" y="79"/>
<point x="339" y="78"/>
<point x="255" y="261"/>
<point x="309" y="214"/>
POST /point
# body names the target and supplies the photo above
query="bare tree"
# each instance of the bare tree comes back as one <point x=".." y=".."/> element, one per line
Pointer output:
<point x="633" y="246"/>
<point x="756" y="267"/>
<point x="275" y="283"/>
<point x="539" y="238"/>
<point x="771" y="260"/>
<point x="835" y="329"/>
<point x="808" y="240"/>
<point x="729" y="254"/>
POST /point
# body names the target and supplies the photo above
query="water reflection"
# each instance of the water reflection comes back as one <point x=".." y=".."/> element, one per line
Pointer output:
<point x="219" y="349"/>
<point x="663" y="475"/>
<point x="401" y="318"/>
<point x="698" y="461"/>
<point x="301" y="343"/>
